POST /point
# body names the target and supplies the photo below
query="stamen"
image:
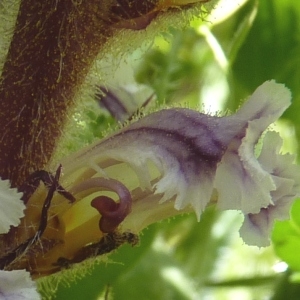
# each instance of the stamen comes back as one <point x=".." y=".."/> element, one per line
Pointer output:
<point x="112" y="213"/>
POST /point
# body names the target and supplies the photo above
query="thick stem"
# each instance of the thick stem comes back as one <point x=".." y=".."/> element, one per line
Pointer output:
<point x="54" y="44"/>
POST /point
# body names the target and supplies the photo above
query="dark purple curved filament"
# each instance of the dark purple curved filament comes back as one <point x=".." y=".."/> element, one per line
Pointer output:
<point x="112" y="213"/>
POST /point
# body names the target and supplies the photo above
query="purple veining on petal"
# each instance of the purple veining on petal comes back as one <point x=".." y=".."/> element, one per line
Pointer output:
<point x="186" y="146"/>
<point x="257" y="221"/>
<point x="256" y="227"/>
<point x="195" y="157"/>
<point x="112" y="213"/>
<point x="286" y="177"/>
<point x="180" y="129"/>
<point x="194" y="153"/>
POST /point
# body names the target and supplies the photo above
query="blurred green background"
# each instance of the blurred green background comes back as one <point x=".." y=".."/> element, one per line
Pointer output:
<point x="213" y="65"/>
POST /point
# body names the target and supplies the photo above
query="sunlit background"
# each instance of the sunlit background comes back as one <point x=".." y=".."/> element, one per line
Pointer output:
<point x="213" y="66"/>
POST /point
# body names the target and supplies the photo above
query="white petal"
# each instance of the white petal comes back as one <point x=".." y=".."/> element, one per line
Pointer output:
<point x="257" y="227"/>
<point x="268" y="101"/>
<point x="11" y="206"/>
<point x="255" y="230"/>
<point x="17" y="285"/>
<point x="279" y="165"/>
<point x="242" y="182"/>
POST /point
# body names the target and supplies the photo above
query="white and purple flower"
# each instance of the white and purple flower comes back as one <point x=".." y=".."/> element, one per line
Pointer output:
<point x="170" y="162"/>
<point x="178" y="160"/>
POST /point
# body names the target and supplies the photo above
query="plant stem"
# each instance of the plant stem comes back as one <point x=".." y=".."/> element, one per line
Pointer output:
<point x="53" y="46"/>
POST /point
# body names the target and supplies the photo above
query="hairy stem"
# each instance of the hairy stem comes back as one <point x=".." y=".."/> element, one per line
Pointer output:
<point x="53" y="46"/>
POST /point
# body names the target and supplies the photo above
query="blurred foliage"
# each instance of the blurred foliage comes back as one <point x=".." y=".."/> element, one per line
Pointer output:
<point x="286" y="238"/>
<point x="211" y="63"/>
<point x="178" y="53"/>
<point x="271" y="50"/>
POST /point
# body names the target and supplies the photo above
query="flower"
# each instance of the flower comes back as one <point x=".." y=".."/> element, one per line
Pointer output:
<point x="179" y="159"/>
<point x="169" y="162"/>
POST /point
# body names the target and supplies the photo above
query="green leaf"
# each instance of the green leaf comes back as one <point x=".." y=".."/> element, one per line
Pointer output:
<point x="286" y="238"/>
<point x="242" y="32"/>
<point x="271" y="51"/>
